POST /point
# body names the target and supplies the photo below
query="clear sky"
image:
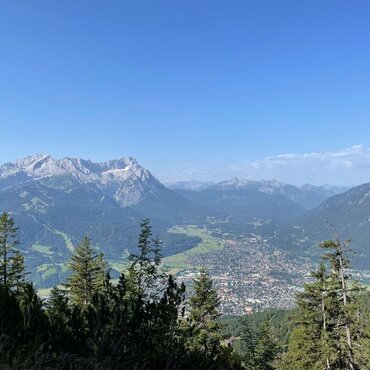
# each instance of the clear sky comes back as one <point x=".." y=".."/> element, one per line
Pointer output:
<point x="195" y="89"/>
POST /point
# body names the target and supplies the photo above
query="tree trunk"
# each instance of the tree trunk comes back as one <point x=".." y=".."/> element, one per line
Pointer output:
<point x="344" y="293"/>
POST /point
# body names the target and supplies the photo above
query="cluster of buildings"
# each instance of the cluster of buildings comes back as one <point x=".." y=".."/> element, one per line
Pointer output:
<point x="251" y="276"/>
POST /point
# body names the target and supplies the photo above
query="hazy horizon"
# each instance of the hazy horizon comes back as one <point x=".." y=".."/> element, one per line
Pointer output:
<point x="334" y="161"/>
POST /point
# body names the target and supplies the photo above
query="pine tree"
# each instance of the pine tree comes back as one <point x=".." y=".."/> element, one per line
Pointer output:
<point x="35" y="324"/>
<point x="59" y="313"/>
<point x="102" y="275"/>
<point x="11" y="325"/>
<point x="342" y="325"/>
<point x="248" y="344"/>
<point x="11" y="261"/>
<point x="165" y="336"/>
<point x="119" y="315"/>
<point x="362" y="352"/>
<point x="143" y="273"/>
<point x="170" y="306"/>
<point x="203" y="316"/>
<point x="327" y="327"/>
<point x="309" y="346"/>
<point x="16" y="274"/>
<point x="84" y="281"/>
<point x="266" y="348"/>
<point x="120" y="302"/>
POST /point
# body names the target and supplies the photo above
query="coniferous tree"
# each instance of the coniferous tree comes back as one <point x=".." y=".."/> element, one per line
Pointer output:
<point x="151" y="301"/>
<point x="83" y="282"/>
<point x="169" y="309"/>
<point x="102" y="274"/>
<point x="143" y="272"/>
<point x="248" y="344"/>
<point x="34" y="319"/>
<point x="343" y="327"/>
<point x="203" y="316"/>
<point x="118" y="329"/>
<point x="327" y="328"/>
<point x="362" y="351"/>
<point x="266" y="348"/>
<point x="11" y="261"/>
<point x="259" y="348"/>
<point x="59" y="312"/>
<point x="98" y="317"/>
<point x="309" y="345"/>
<point x="16" y="274"/>
<point x="11" y="323"/>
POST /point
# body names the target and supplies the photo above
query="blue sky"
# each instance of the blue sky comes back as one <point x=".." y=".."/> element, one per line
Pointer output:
<point x="193" y="89"/>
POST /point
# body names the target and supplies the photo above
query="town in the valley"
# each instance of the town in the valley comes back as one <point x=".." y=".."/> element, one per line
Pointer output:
<point x="251" y="276"/>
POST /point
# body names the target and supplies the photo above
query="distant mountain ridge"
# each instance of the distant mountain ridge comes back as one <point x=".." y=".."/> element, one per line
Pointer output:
<point x="189" y="185"/>
<point x="308" y="196"/>
<point x="348" y="213"/>
<point x="56" y="201"/>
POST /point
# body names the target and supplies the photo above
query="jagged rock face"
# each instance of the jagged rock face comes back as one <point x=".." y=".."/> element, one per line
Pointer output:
<point x="57" y="201"/>
<point x="123" y="179"/>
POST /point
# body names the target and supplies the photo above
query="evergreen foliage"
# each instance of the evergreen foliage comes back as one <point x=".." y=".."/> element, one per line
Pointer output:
<point x="203" y="316"/>
<point x="266" y="348"/>
<point x="258" y="348"/>
<point x="248" y="344"/>
<point x="143" y="272"/>
<point x="11" y="261"/>
<point x="86" y="277"/>
<point x="330" y="323"/>
<point x="138" y="323"/>
<point x="145" y="321"/>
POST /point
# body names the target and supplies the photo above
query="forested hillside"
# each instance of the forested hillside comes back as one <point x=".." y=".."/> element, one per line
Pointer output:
<point x="347" y="214"/>
<point x="57" y="201"/>
<point x="147" y="320"/>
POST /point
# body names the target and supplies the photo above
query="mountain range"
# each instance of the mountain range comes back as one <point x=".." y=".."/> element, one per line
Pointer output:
<point x="124" y="180"/>
<point x="56" y="201"/>
<point x="345" y="216"/>
<point x="308" y="196"/>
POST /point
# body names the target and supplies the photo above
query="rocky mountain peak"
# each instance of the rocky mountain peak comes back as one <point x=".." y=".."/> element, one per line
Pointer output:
<point x="308" y="187"/>
<point x="35" y="166"/>
<point x="123" y="179"/>
<point x="232" y="184"/>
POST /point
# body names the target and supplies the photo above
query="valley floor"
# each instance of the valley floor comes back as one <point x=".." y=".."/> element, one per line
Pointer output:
<point x="250" y="275"/>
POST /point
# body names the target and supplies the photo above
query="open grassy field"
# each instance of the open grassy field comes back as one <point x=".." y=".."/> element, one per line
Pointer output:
<point x="67" y="240"/>
<point x="43" y="249"/>
<point x="208" y="244"/>
<point x="173" y="264"/>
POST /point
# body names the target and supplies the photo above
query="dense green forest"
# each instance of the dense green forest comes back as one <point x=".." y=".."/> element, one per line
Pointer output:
<point x="147" y="321"/>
